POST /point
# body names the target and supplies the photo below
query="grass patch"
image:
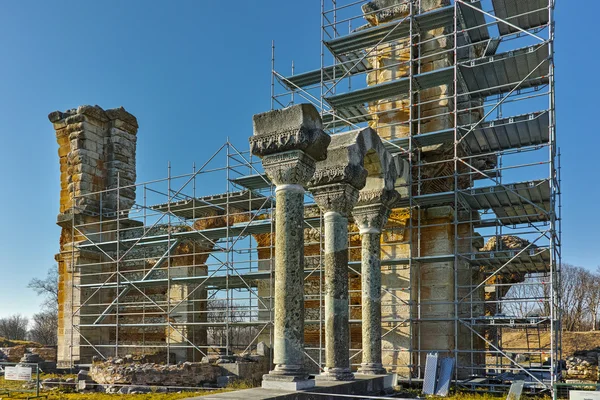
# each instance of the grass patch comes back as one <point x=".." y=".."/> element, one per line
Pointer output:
<point x="149" y="396"/>
<point x="58" y="394"/>
<point x="106" y="396"/>
<point x="463" y="395"/>
<point x="4" y="342"/>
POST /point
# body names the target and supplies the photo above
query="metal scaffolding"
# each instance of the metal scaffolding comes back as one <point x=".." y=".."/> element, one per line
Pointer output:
<point x="495" y="60"/>
<point x="188" y="273"/>
<point x="177" y="273"/>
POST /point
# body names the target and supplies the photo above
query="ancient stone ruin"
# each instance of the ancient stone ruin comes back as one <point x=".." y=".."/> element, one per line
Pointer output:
<point x="351" y="241"/>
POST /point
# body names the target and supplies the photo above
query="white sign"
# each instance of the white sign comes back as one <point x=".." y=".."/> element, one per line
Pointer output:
<point x="17" y="373"/>
<point x="584" y="395"/>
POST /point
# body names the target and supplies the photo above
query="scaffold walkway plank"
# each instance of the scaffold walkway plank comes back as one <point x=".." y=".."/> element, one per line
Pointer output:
<point x="245" y="200"/>
<point x="431" y="199"/>
<point x="501" y="73"/>
<point x="244" y="228"/>
<point x="526" y="14"/>
<point x="424" y="139"/>
<point x="386" y="262"/>
<point x="356" y="63"/>
<point x="355" y="114"/>
<point x="371" y="36"/>
<point x="507" y="320"/>
<point x="188" y="208"/>
<point x="391" y="89"/>
<point x="532" y="260"/>
<point x="241" y="201"/>
<point x="423" y="22"/>
<point x="473" y="22"/>
<point x="508" y="133"/>
<point x="517" y="203"/>
<point x="491" y="136"/>
<point x="253" y="182"/>
<point x="213" y="234"/>
<point x="239" y="280"/>
<point x="483" y="77"/>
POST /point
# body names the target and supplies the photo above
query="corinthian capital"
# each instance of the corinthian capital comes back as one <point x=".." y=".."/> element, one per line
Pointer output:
<point x="289" y="168"/>
<point x="373" y="209"/>
<point x="337" y="197"/>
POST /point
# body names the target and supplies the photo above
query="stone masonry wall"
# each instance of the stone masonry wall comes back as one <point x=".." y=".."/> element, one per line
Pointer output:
<point x="96" y="148"/>
<point x="433" y="283"/>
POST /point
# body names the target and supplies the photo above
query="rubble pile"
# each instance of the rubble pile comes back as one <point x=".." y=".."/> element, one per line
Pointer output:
<point x="506" y="242"/>
<point x="583" y="365"/>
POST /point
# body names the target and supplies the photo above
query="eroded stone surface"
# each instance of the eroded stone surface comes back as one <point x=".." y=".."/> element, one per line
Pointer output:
<point x="96" y="150"/>
<point x="371" y="216"/>
<point x="356" y="162"/>
<point x="289" y="141"/>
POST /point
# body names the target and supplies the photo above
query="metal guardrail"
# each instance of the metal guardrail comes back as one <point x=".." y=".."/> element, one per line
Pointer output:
<point x="561" y="390"/>
<point x="35" y="391"/>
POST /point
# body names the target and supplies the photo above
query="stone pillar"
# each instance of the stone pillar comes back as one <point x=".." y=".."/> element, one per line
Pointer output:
<point x="94" y="147"/>
<point x="336" y="201"/>
<point x="371" y="219"/>
<point x="289" y="141"/>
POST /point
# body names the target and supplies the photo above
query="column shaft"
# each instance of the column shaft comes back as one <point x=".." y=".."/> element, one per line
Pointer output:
<point x="371" y="303"/>
<point x="337" y="340"/>
<point x="288" y="341"/>
<point x="290" y="142"/>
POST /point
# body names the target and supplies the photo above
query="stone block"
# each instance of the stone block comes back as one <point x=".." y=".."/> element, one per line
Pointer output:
<point x="116" y="132"/>
<point x="287" y="385"/>
<point x="262" y="349"/>
<point x="298" y="127"/>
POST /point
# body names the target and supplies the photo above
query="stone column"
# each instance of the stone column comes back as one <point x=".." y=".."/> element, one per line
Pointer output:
<point x="289" y="141"/>
<point x="371" y="219"/>
<point x="336" y="201"/>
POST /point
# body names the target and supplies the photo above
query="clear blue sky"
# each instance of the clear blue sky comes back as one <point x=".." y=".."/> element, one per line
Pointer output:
<point x="194" y="72"/>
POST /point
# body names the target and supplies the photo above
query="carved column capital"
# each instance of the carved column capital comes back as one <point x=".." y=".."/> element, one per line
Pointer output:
<point x="289" y="168"/>
<point x="290" y="142"/>
<point x="371" y="218"/>
<point x="373" y="209"/>
<point x="298" y="127"/>
<point x="338" y="197"/>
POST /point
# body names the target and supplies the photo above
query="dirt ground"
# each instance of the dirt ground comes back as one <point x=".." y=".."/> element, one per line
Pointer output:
<point x="571" y="341"/>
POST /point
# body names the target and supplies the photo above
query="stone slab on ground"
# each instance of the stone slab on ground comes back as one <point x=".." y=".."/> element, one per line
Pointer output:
<point x="288" y="385"/>
<point x="362" y="385"/>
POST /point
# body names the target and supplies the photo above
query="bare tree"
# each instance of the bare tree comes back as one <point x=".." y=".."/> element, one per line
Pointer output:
<point x="47" y="287"/>
<point x="45" y="327"/>
<point x="573" y="293"/>
<point x="579" y="292"/>
<point x="527" y="298"/>
<point x="237" y="336"/>
<point x="592" y="297"/>
<point x="14" y="327"/>
<point x="45" y="323"/>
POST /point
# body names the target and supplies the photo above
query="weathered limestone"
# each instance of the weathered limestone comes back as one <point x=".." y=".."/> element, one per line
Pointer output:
<point x="313" y="332"/>
<point x="290" y="142"/>
<point x="96" y="149"/>
<point x="371" y="216"/>
<point x="336" y="201"/>
<point x="356" y="160"/>
<point x="393" y="117"/>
